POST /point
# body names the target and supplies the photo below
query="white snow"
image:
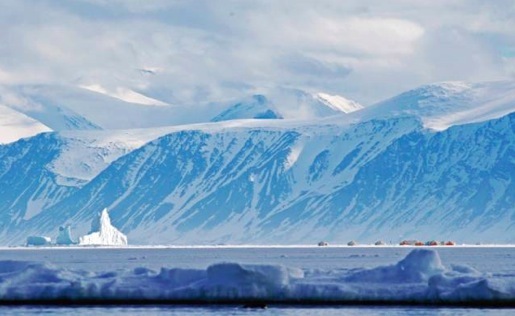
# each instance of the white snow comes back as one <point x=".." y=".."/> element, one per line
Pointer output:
<point x="103" y="233"/>
<point x="254" y="107"/>
<point x="339" y="103"/>
<point x="418" y="278"/>
<point x="53" y="114"/>
<point x="299" y="104"/>
<point x="81" y="161"/>
<point x="67" y="107"/>
<point x="293" y="156"/>
<point x="445" y="104"/>
<point x="84" y="154"/>
<point x="124" y="94"/>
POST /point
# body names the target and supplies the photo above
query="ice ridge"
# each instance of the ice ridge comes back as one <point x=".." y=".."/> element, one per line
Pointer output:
<point x="420" y="278"/>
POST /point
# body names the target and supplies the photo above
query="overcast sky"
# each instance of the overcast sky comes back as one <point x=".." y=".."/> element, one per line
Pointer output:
<point x="211" y="50"/>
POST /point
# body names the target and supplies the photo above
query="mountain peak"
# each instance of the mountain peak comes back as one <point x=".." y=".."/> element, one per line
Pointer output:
<point x="441" y="105"/>
<point x="254" y="107"/>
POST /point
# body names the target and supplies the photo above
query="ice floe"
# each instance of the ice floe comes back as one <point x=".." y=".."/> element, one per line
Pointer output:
<point x="419" y="278"/>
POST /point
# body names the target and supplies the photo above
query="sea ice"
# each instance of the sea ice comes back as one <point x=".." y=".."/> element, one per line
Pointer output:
<point x="419" y="278"/>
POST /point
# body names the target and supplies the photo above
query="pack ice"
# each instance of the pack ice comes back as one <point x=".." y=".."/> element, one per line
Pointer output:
<point x="103" y="233"/>
<point x="420" y="278"/>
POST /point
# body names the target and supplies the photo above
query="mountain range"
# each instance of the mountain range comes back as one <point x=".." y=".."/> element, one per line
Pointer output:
<point x="435" y="162"/>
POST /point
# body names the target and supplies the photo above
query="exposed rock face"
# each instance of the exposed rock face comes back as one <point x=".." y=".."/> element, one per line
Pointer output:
<point x="103" y="233"/>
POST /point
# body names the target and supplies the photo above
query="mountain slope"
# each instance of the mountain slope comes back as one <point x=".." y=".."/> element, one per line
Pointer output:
<point x="54" y="115"/>
<point x="339" y="103"/>
<point x="299" y="104"/>
<point x="37" y="172"/>
<point x="75" y="108"/>
<point x="454" y="184"/>
<point x="255" y="107"/>
<point x="376" y="173"/>
<point x="442" y="105"/>
<point x="301" y="185"/>
<point x="250" y="185"/>
<point x="60" y="108"/>
<point x="26" y="186"/>
<point x="191" y="173"/>
<point x="288" y="104"/>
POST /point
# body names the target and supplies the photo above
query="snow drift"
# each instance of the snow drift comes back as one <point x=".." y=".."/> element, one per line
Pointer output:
<point x="420" y="278"/>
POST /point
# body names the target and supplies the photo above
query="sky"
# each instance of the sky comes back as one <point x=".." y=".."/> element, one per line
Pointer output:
<point x="201" y="50"/>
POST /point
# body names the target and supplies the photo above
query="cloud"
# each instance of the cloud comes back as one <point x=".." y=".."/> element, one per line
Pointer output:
<point x="201" y="51"/>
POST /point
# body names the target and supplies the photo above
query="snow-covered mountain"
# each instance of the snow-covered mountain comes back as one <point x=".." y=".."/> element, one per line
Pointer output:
<point x="442" y="105"/>
<point x="299" y="104"/>
<point x="305" y="184"/>
<point x="31" y="109"/>
<point x="255" y="107"/>
<point x="62" y="108"/>
<point x="37" y="172"/>
<point x="358" y="175"/>
<point x="288" y="104"/>
<point x="339" y="103"/>
<point x="54" y="114"/>
<point x="192" y="170"/>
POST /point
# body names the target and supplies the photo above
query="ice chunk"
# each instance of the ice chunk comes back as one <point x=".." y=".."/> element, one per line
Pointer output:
<point x="249" y="281"/>
<point x="103" y="233"/>
<point x="65" y="236"/>
<point x="38" y="241"/>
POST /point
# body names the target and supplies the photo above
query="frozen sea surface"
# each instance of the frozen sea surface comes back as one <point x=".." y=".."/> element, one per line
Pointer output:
<point x="341" y="273"/>
<point x="496" y="259"/>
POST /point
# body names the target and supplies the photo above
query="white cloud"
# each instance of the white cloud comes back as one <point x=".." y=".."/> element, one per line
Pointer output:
<point x="207" y="50"/>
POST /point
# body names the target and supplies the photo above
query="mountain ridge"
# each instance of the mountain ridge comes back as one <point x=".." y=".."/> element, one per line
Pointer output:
<point x="351" y="176"/>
